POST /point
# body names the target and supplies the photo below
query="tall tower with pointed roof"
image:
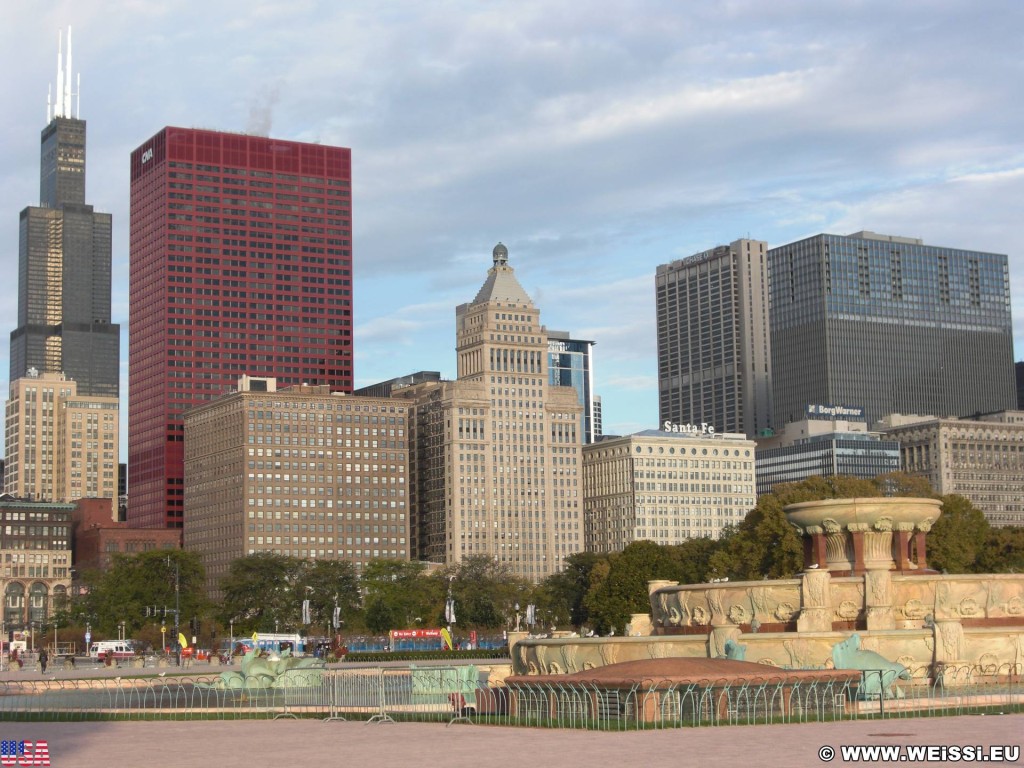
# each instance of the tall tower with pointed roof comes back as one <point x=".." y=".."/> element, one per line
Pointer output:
<point x="496" y="467"/>
<point x="64" y="263"/>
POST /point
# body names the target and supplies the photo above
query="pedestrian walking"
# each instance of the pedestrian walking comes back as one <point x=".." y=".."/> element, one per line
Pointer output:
<point x="43" y="658"/>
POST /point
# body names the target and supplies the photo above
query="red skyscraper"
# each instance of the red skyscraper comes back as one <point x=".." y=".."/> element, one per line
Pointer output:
<point x="241" y="263"/>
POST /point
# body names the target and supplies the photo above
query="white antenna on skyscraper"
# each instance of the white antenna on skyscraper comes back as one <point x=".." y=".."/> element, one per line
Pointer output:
<point x="62" y="98"/>
<point x="67" y="80"/>
<point x="58" y="102"/>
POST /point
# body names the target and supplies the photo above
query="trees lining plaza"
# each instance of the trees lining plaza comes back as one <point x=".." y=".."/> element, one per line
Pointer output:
<point x="594" y="592"/>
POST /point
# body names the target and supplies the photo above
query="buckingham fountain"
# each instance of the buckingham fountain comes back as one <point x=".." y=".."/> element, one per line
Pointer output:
<point x="865" y="589"/>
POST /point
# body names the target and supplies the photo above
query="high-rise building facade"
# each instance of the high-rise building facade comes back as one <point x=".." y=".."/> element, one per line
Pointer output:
<point x="714" y="351"/>
<point x="571" y="364"/>
<point x="64" y="273"/>
<point x="241" y="263"/>
<point x="889" y="325"/>
<point x="495" y="466"/>
<point x="60" y="446"/>
<point x="831" y="441"/>
<point x="665" y="487"/>
<point x="298" y="471"/>
<point x="980" y="459"/>
<point x="35" y="548"/>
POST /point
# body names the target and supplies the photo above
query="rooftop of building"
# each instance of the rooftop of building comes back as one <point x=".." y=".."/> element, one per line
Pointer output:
<point x="501" y="283"/>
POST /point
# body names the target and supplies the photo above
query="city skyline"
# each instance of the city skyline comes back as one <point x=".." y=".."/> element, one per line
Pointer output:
<point x="595" y="148"/>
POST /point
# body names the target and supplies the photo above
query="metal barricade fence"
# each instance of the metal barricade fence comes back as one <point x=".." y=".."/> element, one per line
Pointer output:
<point x="448" y="694"/>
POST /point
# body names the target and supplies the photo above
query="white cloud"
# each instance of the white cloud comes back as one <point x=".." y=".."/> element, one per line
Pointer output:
<point x="595" y="141"/>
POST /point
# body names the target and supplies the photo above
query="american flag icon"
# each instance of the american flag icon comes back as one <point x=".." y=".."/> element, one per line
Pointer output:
<point x="21" y="753"/>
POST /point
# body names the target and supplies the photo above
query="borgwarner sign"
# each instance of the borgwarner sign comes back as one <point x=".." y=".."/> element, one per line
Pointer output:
<point x="690" y="429"/>
<point x="835" y="411"/>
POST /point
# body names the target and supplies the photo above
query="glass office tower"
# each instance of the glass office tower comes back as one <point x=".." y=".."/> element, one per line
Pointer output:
<point x="571" y="364"/>
<point x="891" y="325"/>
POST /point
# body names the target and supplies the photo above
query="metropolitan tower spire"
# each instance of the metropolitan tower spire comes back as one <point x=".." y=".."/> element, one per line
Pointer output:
<point x="64" y="261"/>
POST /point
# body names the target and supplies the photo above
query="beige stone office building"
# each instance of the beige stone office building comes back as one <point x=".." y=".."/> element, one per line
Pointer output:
<point x="35" y="549"/>
<point x="981" y="459"/>
<point x="60" y="446"/>
<point x="298" y="471"/>
<point x="665" y="486"/>
<point x="496" y="470"/>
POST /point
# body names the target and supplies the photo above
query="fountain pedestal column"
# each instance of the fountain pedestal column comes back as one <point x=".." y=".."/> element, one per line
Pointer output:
<point x="815" y="602"/>
<point x="878" y="600"/>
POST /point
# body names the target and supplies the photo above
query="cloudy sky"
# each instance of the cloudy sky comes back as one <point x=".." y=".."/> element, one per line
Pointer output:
<point x="595" y="139"/>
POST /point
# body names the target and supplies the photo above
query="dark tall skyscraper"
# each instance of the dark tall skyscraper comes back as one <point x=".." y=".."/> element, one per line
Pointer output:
<point x="241" y="263"/>
<point x="64" y="273"/>
<point x="713" y="348"/>
<point x="890" y="325"/>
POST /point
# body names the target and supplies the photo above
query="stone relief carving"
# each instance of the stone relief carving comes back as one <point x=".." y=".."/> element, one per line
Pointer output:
<point x="879" y="584"/>
<point x="848" y="610"/>
<point x="784" y="611"/>
<point x="831" y="526"/>
<point x="609" y="652"/>
<point x="658" y="650"/>
<point x="944" y="601"/>
<point x="798" y="651"/>
<point x="883" y="524"/>
<point x="968" y="607"/>
<point x="718" y="638"/>
<point x="738" y="614"/>
<point x="1005" y="597"/>
<point x="816" y="587"/>
<point x="664" y="612"/>
<point x="714" y="598"/>
<point x="914" y="609"/>
<point x="569" y="653"/>
<point x="951" y="634"/>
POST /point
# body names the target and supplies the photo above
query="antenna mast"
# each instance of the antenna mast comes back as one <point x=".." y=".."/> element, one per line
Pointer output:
<point x="67" y="80"/>
<point x="61" y="103"/>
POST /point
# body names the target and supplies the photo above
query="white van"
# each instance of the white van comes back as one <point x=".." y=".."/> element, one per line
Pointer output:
<point x="119" y="649"/>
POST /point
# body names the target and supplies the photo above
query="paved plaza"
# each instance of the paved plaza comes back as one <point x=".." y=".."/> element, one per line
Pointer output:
<point x="248" y="743"/>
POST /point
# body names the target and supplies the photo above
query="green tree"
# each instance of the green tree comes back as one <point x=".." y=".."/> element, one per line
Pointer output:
<point x="957" y="540"/>
<point x="379" y="616"/>
<point x="763" y="545"/>
<point x="260" y="593"/>
<point x="611" y="600"/>
<point x="326" y="584"/>
<point x="134" y="582"/>
<point x="903" y="484"/>
<point x="1003" y="551"/>
<point x="564" y="593"/>
<point x="398" y="595"/>
<point x="485" y="592"/>
<point x="694" y="556"/>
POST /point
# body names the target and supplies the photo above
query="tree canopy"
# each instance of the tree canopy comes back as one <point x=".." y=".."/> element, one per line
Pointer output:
<point x="265" y="592"/>
<point x="134" y="582"/>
